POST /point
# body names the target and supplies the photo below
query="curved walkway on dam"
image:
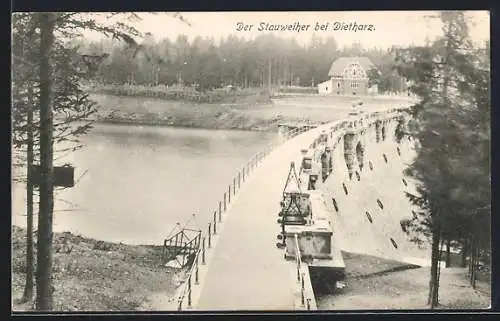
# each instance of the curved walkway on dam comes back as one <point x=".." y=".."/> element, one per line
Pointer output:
<point x="244" y="269"/>
<point x="247" y="271"/>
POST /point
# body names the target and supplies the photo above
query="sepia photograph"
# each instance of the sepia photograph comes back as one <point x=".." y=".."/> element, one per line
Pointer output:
<point x="250" y="161"/>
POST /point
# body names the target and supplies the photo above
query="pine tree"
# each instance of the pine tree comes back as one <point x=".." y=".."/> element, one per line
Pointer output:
<point x="451" y="162"/>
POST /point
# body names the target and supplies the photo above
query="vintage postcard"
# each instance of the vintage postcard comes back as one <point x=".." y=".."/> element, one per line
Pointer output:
<point x="251" y="161"/>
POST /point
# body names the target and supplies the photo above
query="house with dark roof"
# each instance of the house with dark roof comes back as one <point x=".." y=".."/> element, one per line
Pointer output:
<point x="348" y="76"/>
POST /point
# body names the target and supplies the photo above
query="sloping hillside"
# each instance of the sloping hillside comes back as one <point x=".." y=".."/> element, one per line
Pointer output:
<point x="92" y="275"/>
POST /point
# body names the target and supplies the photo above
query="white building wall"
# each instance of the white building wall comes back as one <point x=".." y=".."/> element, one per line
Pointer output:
<point x="325" y="88"/>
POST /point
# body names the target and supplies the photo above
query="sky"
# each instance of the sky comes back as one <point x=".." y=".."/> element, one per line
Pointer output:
<point x="387" y="27"/>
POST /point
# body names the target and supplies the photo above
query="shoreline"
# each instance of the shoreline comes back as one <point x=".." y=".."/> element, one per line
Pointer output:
<point x="153" y="123"/>
<point x="246" y="116"/>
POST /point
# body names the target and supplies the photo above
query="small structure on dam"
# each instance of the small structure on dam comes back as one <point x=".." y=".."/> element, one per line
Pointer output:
<point x="306" y="227"/>
<point x="180" y="249"/>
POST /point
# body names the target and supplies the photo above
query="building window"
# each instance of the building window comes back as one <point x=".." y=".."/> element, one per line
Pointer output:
<point x="354" y="71"/>
<point x="354" y="85"/>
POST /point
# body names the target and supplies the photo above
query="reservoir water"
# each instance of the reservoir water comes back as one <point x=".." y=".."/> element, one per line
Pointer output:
<point x="136" y="182"/>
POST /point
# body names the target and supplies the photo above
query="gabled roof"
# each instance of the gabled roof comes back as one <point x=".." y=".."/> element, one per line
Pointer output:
<point x="340" y="63"/>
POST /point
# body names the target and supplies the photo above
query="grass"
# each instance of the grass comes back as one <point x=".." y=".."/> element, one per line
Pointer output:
<point x="176" y="93"/>
<point x="150" y="111"/>
<point x="91" y="275"/>
<point x="359" y="266"/>
<point x="374" y="283"/>
<point x="244" y="116"/>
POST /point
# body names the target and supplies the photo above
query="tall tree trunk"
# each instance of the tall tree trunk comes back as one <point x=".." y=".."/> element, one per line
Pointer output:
<point x="269" y="77"/>
<point x="476" y="266"/>
<point x="474" y="255"/>
<point x="44" y="255"/>
<point x="448" y="258"/>
<point x="465" y="247"/>
<point x="434" y="283"/>
<point x="471" y="258"/>
<point x="28" y="287"/>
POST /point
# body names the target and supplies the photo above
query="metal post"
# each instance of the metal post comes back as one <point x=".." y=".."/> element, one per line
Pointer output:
<point x="196" y="276"/>
<point x="234" y="186"/>
<point x="189" y="291"/>
<point x="203" y="252"/>
<point x="229" y="193"/>
<point x="209" y="235"/>
<point x="298" y="271"/>
<point x="215" y="223"/>
<point x="302" y="289"/>
<point x="220" y="211"/>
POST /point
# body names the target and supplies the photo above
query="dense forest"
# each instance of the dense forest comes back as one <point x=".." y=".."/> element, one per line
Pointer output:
<point x="209" y="63"/>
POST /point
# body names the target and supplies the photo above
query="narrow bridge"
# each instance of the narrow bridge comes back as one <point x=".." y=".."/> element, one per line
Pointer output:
<point x="239" y="267"/>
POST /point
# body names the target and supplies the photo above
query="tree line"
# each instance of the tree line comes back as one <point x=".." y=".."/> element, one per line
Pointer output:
<point x="232" y="60"/>
<point x="452" y="125"/>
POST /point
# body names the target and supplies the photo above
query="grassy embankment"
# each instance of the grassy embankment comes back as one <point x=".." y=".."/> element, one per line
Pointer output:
<point x="248" y="109"/>
<point x="91" y="275"/>
<point x="375" y="283"/>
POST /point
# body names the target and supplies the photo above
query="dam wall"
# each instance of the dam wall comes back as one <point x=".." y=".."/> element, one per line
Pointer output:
<point x="364" y="186"/>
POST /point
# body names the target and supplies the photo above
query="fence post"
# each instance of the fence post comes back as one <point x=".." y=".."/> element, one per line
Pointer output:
<point x="196" y="279"/>
<point x="189" y="291"/>
<point x="203" y="252"/>
<point x="302" y="289"/>
<point x="215" y="223"/>
<point x="220" y="211"/>
<point x="209" y="234"/>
